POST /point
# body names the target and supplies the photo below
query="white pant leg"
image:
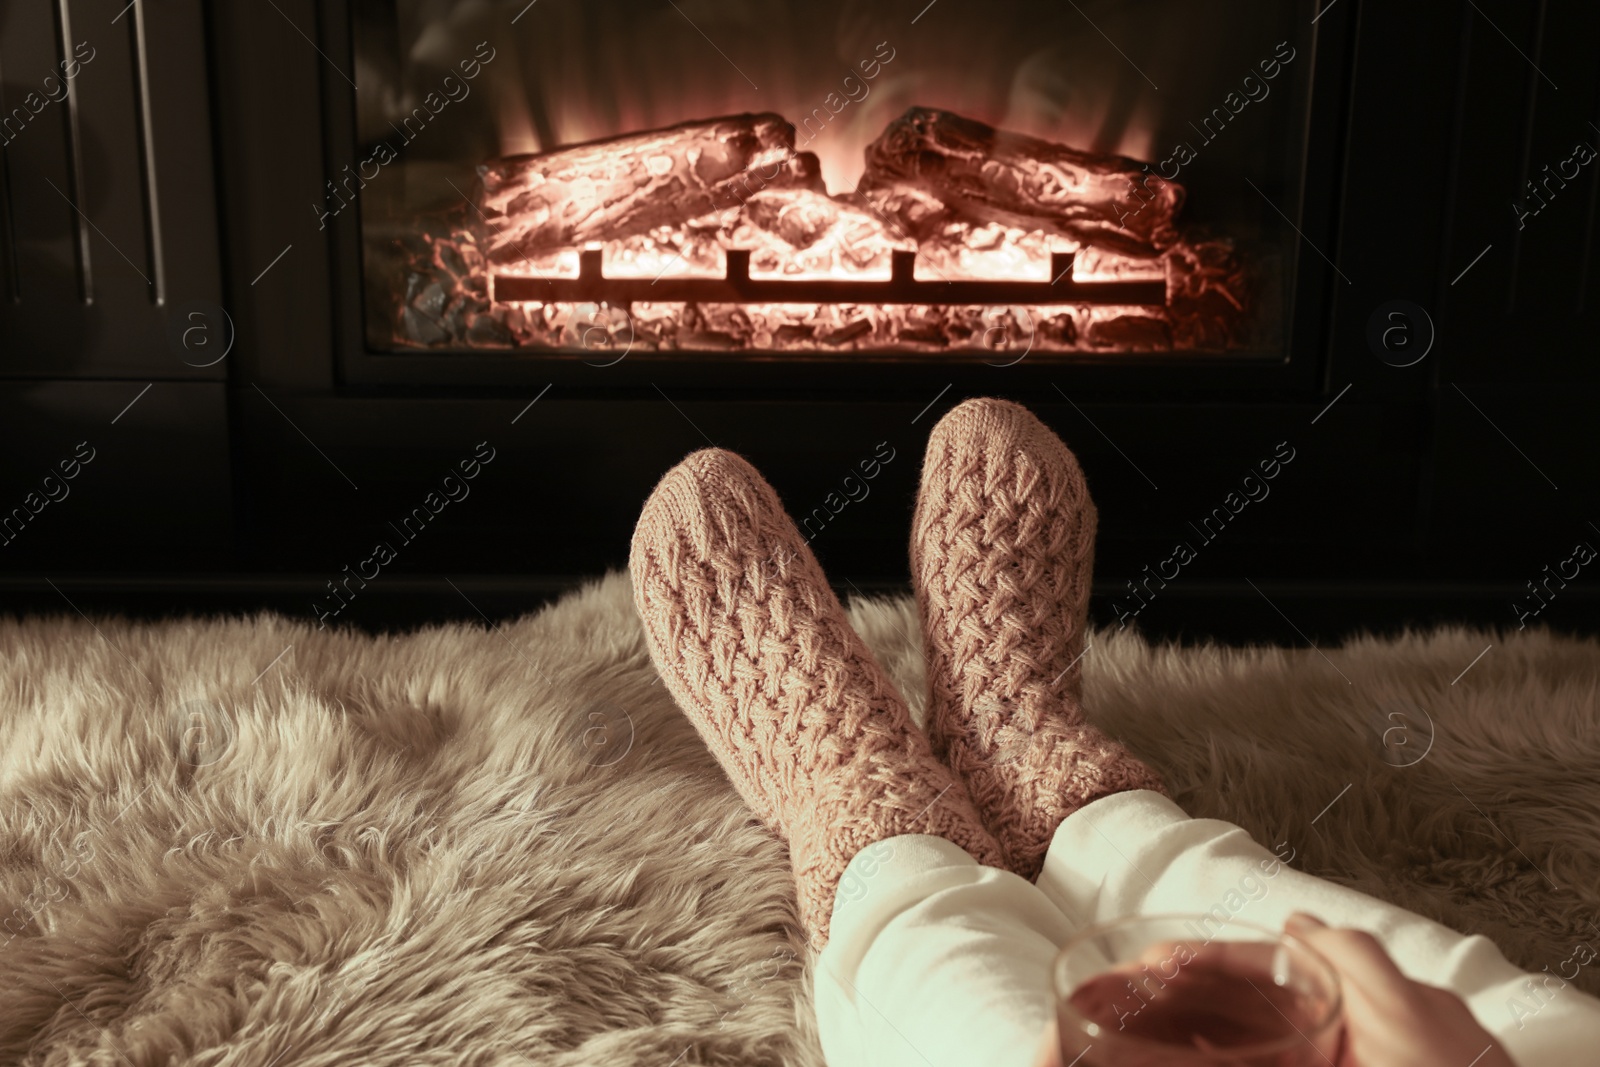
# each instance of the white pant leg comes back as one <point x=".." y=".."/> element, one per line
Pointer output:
<point x="1137" y="853"/>
<point x="937" y="960"/>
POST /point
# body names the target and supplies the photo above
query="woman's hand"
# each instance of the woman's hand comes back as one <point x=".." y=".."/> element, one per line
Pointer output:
<point x="1390" y="1019"/>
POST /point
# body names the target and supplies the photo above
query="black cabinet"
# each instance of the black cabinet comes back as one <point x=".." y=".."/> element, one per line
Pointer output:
<point x="109" y="242"/>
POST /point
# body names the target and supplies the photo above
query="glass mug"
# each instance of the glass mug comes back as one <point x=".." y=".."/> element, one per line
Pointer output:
<point x="1186" y="991"/>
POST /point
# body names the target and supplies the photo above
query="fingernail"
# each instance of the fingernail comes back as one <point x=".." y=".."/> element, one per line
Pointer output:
<point x="1301" y="921"/>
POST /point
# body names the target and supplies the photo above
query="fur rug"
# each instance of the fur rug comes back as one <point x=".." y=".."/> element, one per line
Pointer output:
<point x="247" y="842"/>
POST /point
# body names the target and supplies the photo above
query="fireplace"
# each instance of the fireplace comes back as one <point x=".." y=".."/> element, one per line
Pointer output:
<point x="837" y="181"/>
<point x="282" y="264"/>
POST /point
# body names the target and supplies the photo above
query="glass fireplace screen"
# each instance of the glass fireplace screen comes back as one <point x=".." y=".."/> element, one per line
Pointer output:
<point x="860" y="178"/>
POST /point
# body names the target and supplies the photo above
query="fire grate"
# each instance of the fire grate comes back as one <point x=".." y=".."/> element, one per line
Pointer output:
<point x="738" y="287"/>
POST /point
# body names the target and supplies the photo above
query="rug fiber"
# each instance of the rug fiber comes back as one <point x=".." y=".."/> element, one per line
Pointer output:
<point x="248" y="842"/>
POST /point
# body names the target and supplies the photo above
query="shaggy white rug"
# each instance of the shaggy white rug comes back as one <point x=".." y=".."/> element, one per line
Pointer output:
<point x="247" y="842"/>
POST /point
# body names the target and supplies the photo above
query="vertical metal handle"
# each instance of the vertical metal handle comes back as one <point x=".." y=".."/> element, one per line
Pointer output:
<point x="75" y="161"/>
<point x="147" y="159"/>
<point x="8" y="228"/>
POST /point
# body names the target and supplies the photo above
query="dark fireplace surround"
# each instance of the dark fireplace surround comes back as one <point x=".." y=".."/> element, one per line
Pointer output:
<point x="1325" y="480"/>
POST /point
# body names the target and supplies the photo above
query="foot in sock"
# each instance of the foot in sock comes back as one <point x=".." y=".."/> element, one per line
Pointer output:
<point x="755" y="647"/>
<point x="1002" y="552"/>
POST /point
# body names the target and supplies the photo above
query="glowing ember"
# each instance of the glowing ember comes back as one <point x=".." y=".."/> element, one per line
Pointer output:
<point x="973" y="204"/>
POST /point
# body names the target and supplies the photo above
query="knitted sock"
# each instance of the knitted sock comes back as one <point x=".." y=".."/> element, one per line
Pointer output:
<point x="1002" y="551"/>
<point x="755" y="647"/>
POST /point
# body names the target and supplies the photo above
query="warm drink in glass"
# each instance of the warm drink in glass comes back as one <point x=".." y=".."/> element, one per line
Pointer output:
<point x="1188" y="991"/>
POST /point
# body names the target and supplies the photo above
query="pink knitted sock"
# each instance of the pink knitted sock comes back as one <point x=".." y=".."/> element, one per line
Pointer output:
<point x="756" y="649"/>
<point x="1002" y="551"/>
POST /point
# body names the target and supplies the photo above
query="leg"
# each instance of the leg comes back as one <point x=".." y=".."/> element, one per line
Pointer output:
<point x="941" y="960"/>
<point x="938" y="960"/>
<point x="757" y="651"/>
<point x="935" y="961"/>
<point x="1002" y="550"/>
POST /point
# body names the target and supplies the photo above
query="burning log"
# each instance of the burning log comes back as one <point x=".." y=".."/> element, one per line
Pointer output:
<point x="1210" y="293"/>
<point x="804" y="218"/>
<point x="609" y="190"/>
<point x="801" y="232"/>
<point x="717" y="234"/>
<point x="998" y="176"/>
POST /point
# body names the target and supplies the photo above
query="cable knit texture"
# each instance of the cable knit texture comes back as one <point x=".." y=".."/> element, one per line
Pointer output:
<point x="1002" y="553"/>
<point x="756" y="649"/>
